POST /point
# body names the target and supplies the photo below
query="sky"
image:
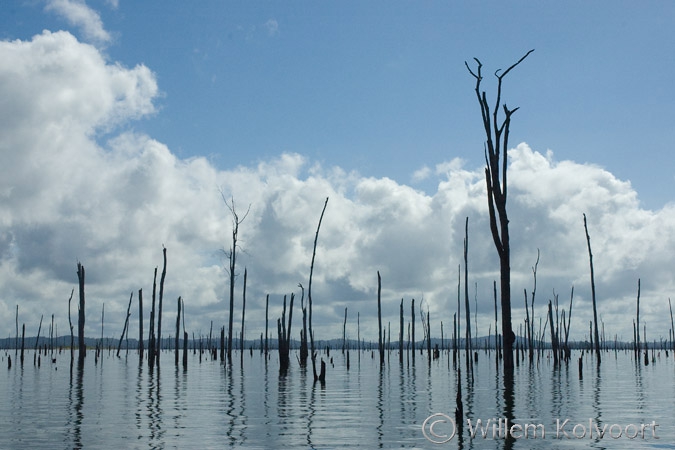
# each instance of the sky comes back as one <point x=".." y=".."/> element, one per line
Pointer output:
<point x="124" y="126"/>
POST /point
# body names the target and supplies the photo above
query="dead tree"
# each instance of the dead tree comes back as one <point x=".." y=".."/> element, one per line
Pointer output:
<point x="672" y="326"/>
<point x="140" y="324"/>
<point x="161" y="297"/>
<point x="380" y="335"/>
<point x="151" y="329"/>
<point x="284" y="336"/>
<point x="243" y="314"/>
<point x="637" y="320"/>
<point x="70" y="324"/>
<point x="344" y="333"/>
<point x="267" y="308"/>
<point x="467" y="339"/>
<point x="554" y="340"/>
<point x="322" y="375"/>
<point x="126" y="324"/>
<point x="80" y="322"/>
<point x="400" y="335"/>
<point x="303" y="333"/>
<point x="496" y="148"/>
<point x="595" y="311"/>
<point x="232" y="257"/>
<point x="177" y="339"/>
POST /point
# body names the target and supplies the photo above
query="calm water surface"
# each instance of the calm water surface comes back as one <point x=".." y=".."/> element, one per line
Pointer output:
<point x="117" y="403"/>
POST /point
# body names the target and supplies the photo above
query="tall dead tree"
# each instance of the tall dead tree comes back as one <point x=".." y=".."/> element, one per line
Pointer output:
<point x="70" y="324"/>
<point x="322" y="375"/>
<point x="380" y="334"/>
<point x="595" y="310"/>
<point x="140" y="324"/>
<point x="637" y="341"/>
<point x="177" y="338"/>
<point x="80" y="322"/>
<point x="496" y="148"/>
<point x="232" y="257"/>
<point x="126" y="324"/>
<point x="467" y="339"/>
<point x="303" y="333"/>
<point x="161" y="298"/>
<point x="400" y="335"/>
<point x="243" y="314"/>
<point x="267" y="309"/>
<point x="284" y="336"/>
<point x="151" y="329"/>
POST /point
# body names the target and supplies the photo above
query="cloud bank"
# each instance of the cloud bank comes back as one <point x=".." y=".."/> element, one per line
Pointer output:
<point x="77" y="185"/>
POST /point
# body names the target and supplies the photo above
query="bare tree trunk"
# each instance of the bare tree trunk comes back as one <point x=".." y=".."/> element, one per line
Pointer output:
<point x="140" y="324"/>
<point x="243" y="314"/>
<point x="70" y="324"/>
<point x="151" y="332"/>
<point x="80" y="322"/>
<point x="497" y="194"/>
<point x="672" y="326"/>
<point x="380" y="342"/>
<point x="303" y="333"/>
<point x="232" y="256"/>
<point x="554" y="341"/>
<point x="309" y="299"/>
<point x="126" y="324"/>
<point x="161" y="297"/>
<point x="595" y="311"/>
<point x="267" y="307"/>
<point x="400" y="335"/>
<point x="467" y="339"/>
<point x="637" y="342"/>
<point x="344" y="333"/>
<point x="412" y="321"/>
<point x="177" y="339"/>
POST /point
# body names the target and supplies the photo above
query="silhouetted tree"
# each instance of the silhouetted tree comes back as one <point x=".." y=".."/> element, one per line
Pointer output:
<point x="496" y="148"/>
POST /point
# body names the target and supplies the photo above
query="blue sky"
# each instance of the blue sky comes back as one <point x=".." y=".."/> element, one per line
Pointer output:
<point x="381" y="87"/>
<point x="367" y="102"/>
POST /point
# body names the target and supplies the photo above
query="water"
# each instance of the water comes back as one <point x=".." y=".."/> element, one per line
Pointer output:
<point x="115" y="403"/>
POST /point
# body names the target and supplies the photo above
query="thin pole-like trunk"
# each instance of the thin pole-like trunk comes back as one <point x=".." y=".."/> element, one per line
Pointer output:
<point x="267" y="308"/>
<point x="412" y="321"/>
<point x="243" y="314"/>
<point x="70" y="324"/>
<point x="177" y="339"/>
<point x="467" y="308"/>
<point x="595" y="311"/>
<point x="400" y="335"/>
<point x="344" y="333"/>
<point x="672" y="326"/>
<point x="637" y="320"/>
<point x="80" y="322"/>
<point x="126" y="324"/>
<point x="309" y="300"/>
<point x="161" y="298"/>
<point x="380" y="341"/>
<point x="140" y="324"/>
<point x="151" y="332"/>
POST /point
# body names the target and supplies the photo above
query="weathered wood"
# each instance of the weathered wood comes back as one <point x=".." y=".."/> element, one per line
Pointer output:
<point x="161" y="298"/>
<point x="496" y="148"/>
<point x="126" y="324"/>
<point x="80" y="323"/>
<point x="380" y="342"/>
<point x="595" y="310"/>
<point x="140" y="324"/>
<point x="176" y="350"/>
<point x="309" y="297"/>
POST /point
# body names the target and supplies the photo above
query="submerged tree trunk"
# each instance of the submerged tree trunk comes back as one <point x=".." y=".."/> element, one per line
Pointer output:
<point x="126" y="324"/>
<point x="140" y="324"/>
<point x="80" y="322"/>
<point x="595" y="311"/>
<point x="161" y="298"/>
<point x="176" y="350"/>
<point x="496" y="148"/>
<point x="320" y="377"/>
<point x="380" y="341"/>
<point x="243" y="314"/>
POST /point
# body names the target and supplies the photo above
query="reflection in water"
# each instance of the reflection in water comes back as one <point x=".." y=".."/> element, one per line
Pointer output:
<point x="509" y="404"/>
<point x="214" y="407"/>
<point x="154" y="408"/>
<point x="76" y="400"/>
